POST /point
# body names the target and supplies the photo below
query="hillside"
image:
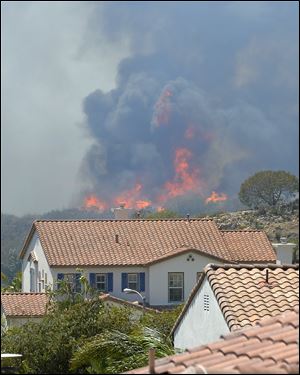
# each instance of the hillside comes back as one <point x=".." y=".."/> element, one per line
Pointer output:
<point x="14" y="229"/>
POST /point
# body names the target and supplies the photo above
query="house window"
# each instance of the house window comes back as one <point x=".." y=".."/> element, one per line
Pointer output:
<point x="101" y="282"/>
<point x="175" y="286"/>
<point x="133" y="281"/>
<point x="46" y="281"/>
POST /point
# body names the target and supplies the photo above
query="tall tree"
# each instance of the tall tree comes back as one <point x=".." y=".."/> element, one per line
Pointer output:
<point x="268" y="189"/>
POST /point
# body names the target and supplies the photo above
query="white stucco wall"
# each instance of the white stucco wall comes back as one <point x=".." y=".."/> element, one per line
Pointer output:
<point x="117" y="279"/>
<point x="199" y="327"/>
<point x="158" y="276"/>
<point x="41" y="265"/>
<point x="284" y="252"/>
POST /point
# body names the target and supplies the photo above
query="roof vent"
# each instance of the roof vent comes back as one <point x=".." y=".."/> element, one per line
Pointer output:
<point x="117" y="238"/>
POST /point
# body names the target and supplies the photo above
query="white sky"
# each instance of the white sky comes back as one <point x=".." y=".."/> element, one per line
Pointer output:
<point x="46" y="71"/>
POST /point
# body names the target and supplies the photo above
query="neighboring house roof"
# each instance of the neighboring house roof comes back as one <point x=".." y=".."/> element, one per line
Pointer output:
<point x="109" y="298"/>
<point x="24" y="304"/>
<point x="250" y="246"/>
<point x="140" y="242"/>
<point x="244" y="295"/>
<point x="268" y="348"/>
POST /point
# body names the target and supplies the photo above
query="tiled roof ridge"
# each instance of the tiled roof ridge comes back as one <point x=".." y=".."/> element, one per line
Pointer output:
<point x="123" y="220"/>
<point x="226" y="266"/>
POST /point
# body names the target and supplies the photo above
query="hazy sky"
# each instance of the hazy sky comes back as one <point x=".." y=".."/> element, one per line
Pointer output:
<point x="60" y="57"/>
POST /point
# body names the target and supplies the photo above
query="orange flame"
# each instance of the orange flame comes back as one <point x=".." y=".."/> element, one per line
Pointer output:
<point x="215" y="197"/>
<point x="185" y="179"/>
<point x="93" y="202"/>
<point x="131" y="198"/>
<point x="163" y="108"/>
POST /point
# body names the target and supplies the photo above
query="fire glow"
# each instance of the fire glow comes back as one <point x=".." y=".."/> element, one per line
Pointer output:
<point x="131" y="198"/>
<point x="93" y="202"/>
<point x="215" y="197"/>
<point x="185" y="179"/>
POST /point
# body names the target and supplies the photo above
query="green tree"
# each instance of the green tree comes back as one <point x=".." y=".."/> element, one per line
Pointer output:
<point x="163" y="214"/>
<point x="16" y="284"/>
<point x="268" y="189"/>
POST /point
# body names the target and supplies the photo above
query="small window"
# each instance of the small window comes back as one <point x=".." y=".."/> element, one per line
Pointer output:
<point x="133" y="281"/>
<point x="40" y="287"/>
<point x="175" y="286"/>
<point x="101" y="282"/>
<point x="46" y="281"/>
<point x="206" y="302"/>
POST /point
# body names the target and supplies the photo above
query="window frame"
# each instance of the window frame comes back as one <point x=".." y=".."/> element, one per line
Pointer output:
<point x="98" y="282"/>
<point x="175" y="287"/>
<point x="137" y="284"/>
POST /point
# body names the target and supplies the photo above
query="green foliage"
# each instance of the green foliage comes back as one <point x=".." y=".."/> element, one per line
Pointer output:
<point x="268" y="189"/>
<point x="163" y="322"/>
<point x="16" y="284"/>
<point x="163" y="214"/>
<point x="47" y="347"/>
<point x="80" y="330"/>
<point x="114" y="352"/>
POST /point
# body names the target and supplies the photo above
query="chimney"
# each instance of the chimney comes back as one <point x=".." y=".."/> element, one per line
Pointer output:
<point x="284" y="251"/>
<point x="121" y="213"/>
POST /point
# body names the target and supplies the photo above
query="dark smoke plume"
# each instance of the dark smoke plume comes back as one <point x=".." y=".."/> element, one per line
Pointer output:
<point x="216" y="79"/>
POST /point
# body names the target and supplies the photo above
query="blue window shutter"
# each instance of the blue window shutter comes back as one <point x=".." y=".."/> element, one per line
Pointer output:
<point x="93" y="280"/>
<point x="124" y="280"/>
<point x="60" y="277"/>
<point x="110" y="285"/>
<point x="142" y="281"/>
<point x="77" y="282"/>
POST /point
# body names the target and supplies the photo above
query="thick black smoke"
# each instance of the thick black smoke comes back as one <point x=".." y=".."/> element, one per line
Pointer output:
<point x="216" y="78"/>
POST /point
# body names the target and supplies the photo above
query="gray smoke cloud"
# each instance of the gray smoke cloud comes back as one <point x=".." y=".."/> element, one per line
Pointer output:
<point x="219" y="80"/>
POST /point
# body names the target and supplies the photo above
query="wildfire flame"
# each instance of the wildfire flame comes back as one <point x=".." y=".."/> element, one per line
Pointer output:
<point x="93" y="202"/>
<point x="185" y="179"/>
<point x="163" y="108"/>
<point x="131" y="198"/>
<point x="215" y="197"/>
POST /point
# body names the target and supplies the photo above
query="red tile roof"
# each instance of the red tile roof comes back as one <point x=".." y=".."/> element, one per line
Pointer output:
<point x="269" y="347"/>
<point x="244" y="245"/>
<point x="24" y="304"/>
<point x="245" y="296"/>
<point x="140" y="242"/>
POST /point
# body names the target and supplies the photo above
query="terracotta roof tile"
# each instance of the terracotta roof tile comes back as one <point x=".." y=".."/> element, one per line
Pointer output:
<point x="140" y="242"/>
<point x="242" y="352"/>
<point x="243" y="294"/>
<point x="24" y="304"/>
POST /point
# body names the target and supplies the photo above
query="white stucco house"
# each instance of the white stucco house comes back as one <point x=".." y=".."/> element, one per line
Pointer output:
<point x="161" y="259"/>
<point x="229" y="297"/>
